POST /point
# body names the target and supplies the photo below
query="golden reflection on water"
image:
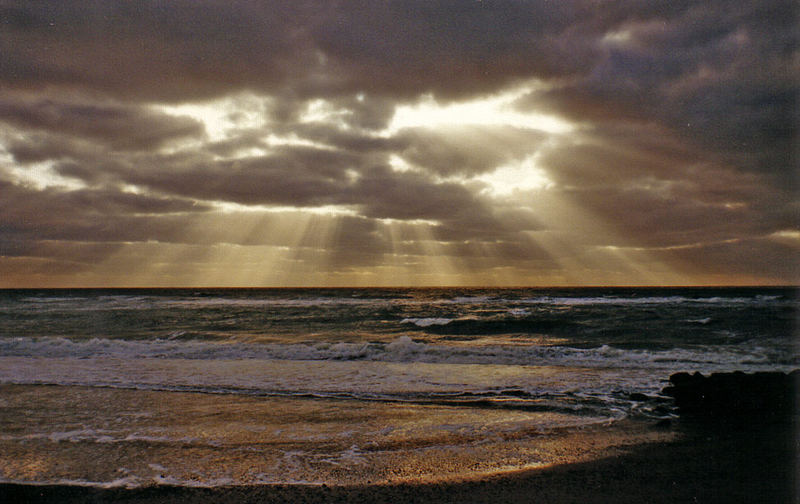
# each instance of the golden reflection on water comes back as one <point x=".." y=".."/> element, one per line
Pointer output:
<point x="125" y="437"/>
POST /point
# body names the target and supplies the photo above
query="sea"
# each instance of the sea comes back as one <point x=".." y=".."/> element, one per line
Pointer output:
<point x="207" y="387"/>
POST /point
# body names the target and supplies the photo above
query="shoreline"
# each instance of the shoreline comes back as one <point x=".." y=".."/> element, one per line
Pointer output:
<point x="113" y="437"/>
<point x="736" y="440"/>
<point x="751" y="462"/>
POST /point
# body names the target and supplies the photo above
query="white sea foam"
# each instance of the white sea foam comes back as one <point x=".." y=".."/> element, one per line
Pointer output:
<point x="646" y="300"/>
<point x="206" y="302"/>
<point x="86" y="304"/>
<point x="73" y="436"/>
<point x="142" y="302"/>
<point x="583" y="391"/>
<point x="427" y="322"/>
<point x="130" y="481"/>
<point x="47" y="300"/>
<point x="469" y="300"/>
<point x="133" y="481"/>
<point x="402" y="349"/>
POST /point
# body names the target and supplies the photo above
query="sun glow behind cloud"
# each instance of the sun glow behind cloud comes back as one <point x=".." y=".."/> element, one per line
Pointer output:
<point x="330" y="210"/>
<point x="519" y="142"/>
<point x="497" y="109"/>
<point x="223" y="117"/>
<point x="273" y="244"/>
<point x="301" y="245"/>
<point x="43" y="176"/>
<point x="518" y="176"/>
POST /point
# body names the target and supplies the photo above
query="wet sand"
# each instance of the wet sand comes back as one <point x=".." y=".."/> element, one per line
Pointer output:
<point x="744" y="462"/>
<point x="107" y="437"/>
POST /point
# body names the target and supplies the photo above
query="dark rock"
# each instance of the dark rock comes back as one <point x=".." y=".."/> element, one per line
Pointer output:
<point x="664" y="423"/>
<point x="765" y="394"/>
<point x="662" y="410"/>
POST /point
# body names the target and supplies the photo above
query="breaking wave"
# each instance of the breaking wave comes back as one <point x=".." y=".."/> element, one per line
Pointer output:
<point x="745" y="356"/>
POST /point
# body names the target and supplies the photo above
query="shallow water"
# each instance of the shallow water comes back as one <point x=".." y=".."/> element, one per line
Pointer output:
<point x="111" y="437"/>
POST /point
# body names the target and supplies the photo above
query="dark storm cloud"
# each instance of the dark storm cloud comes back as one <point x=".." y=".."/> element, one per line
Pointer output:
<point x="120" y="127"/>
<point x="69" y="255"/>
<point x="296" y="176"/>
<point x="35" y="147"/>
<point x="179" y="50"/>
<point x="720" y="74"/>
<point x="182" y="49"/>
<point x="302" y="177"/>
<point x="659" y="193"/>
<point x="450" y="48"/>
<point x="153" y="50"/>
<point x="744" y="257"/>
<point x="86" y="215"/>
<point x="387" y="194"/>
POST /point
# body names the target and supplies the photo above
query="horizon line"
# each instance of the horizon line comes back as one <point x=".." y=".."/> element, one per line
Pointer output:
<point x="298" y="287"/>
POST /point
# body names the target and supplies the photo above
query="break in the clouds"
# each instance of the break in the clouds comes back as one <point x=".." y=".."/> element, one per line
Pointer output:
<point x="398" y="143"/>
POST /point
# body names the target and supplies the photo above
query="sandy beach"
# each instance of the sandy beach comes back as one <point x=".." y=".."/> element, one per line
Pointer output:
<point x="706" y="463"/>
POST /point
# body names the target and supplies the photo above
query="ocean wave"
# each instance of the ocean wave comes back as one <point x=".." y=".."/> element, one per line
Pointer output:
<point x="144" y="302"/>
<point x="130" y="481"/>
<point x="48" y="300"/>
<point x="441" y="307"/>
<point x="701" y="321"/>
<point x="208" y="302"/>
<point x="101" y="436"/>
<point x="514" y="324"/>
<point x="647" y="300"/>
<point x="519" y="312"/>
<point x="405" y="349"/>
<point x="469" y="300"/>
<point x="43" y="304"/>
<point x="426" y="322"/>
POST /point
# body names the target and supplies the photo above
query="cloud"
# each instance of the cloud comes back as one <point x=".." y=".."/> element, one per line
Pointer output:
<point x="210" y="125"/>
<point x="86" y="215"/>
<point x="387" y="194"/>
<point x="152" y="50"/>
<point x="718" y="75"/>
<point x="658" y="192"/>
<point x="743" y="258"/>
<point x="467" y="150"/>
<point x="119" y="127"/>
<point x="199" y="49"/>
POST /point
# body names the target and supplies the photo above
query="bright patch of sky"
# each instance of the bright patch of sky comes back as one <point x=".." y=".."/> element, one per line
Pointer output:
<point x="517" y="176"/>
<point x="493" y="110"/>
<point x="38" y="175"/>
<point x="320" y="110"/>
<point x="331" y="210"/>
<point x="789" y="235"/>
<point x="400" y="165"/>
<point x="294" y="140"/>
<point x="222" y="118"/>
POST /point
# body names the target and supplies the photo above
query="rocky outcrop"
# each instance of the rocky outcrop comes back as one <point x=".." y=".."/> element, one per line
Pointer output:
<point x="768" y="395"/>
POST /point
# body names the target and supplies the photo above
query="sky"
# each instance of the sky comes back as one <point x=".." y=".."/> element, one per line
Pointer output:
<point x="398" y="143"/>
